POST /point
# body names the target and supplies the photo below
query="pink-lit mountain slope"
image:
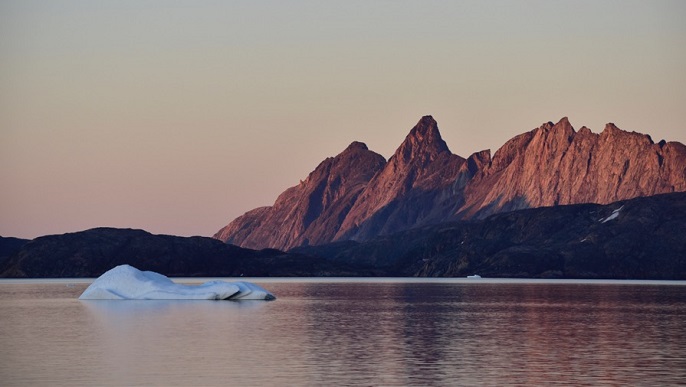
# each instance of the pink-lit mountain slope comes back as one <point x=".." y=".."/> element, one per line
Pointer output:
<point x="357" y="195"/>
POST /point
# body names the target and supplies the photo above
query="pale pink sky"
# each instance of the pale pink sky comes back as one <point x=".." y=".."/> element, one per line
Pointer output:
<point x="177" y="116"/>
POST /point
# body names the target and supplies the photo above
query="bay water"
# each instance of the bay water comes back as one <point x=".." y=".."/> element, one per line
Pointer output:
<point x="356" y="332"/>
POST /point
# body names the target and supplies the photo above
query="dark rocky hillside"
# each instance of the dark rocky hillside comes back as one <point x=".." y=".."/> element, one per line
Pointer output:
<point x="9" y="246"/>
<point x="90" y="253"/>
<point x="643" y="238"/>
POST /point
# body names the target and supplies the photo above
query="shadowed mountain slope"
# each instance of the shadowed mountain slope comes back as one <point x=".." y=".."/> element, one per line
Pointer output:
<point x="312" y="211"/>
<point x="640" y="238"/>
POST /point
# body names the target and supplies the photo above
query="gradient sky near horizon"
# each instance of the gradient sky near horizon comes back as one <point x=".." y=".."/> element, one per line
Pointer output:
<point x="178" y="116"/>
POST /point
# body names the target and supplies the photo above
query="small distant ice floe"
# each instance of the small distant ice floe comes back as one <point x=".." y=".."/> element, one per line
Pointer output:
<point x="614" y="215"/>
<point x="125" y="282"/>
<point x="475" y="276"/>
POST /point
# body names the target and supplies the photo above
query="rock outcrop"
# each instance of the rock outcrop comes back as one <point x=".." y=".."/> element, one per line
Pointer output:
<point x="555" y="165"/>
<point x="415" y="187"/>
<point x="312" y="211"/>
<point x="358" y="196"/>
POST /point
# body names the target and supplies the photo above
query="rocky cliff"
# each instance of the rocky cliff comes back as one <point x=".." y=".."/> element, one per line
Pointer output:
<point x="312" y="211"/>
<point x="358" y="196"/>
<point x="415" y="187"/>
<point x="554" y="165"/>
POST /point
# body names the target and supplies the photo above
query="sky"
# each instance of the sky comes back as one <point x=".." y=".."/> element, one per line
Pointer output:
<point x="177" y="116"/>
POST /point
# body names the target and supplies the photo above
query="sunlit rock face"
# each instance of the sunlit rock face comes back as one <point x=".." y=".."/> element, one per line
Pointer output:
<point x="417" y="186"/>
<point x="125" y="282"/>
<point x="358" y="196"/>
<point x="554" y="165"/>
<point x="312" y="211"/>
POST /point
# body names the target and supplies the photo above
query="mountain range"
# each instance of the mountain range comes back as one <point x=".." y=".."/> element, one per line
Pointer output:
<point x="550" y="203"/>
<point x="641" y="238"/>
<point x="358" y="195"/>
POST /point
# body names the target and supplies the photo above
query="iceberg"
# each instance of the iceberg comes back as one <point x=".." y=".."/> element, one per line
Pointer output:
<point x="125" y="282"/>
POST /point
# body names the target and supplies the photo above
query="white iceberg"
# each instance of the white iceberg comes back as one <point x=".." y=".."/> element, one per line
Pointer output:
<point x="125" y="282"/>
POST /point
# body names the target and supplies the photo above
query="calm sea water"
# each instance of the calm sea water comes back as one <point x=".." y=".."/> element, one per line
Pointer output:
<point x="351" y="332"/>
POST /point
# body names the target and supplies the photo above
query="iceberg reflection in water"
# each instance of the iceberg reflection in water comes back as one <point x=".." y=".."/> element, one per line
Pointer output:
<point x="125" y="282"/>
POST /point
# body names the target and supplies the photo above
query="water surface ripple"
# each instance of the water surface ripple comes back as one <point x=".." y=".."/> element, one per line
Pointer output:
<point x="372" y="332"/>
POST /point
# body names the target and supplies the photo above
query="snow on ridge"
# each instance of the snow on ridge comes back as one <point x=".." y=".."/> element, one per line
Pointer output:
<point x="612" y="216"/>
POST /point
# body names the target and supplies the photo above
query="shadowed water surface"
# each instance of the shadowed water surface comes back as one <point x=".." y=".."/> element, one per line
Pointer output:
<point x="351" y="333"/>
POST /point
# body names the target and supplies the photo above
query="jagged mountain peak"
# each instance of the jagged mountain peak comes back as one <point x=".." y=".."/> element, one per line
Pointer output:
<point x="356" y="146"/>
<point x="423" y="143"/>
<point x="611" y="127"/>
<point x="426" y="133"/>
<point x="584" y="131"/>
<point x="358" y="194"/>
<point x="614" y="134"/>
<point x="563" y="125"/>
<point x="547" y="125"/>
<point x="422" y="169"/>
<point x="613" y="130"/>
<point x="425" y="126"/>
<point x="308" y="212"/>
